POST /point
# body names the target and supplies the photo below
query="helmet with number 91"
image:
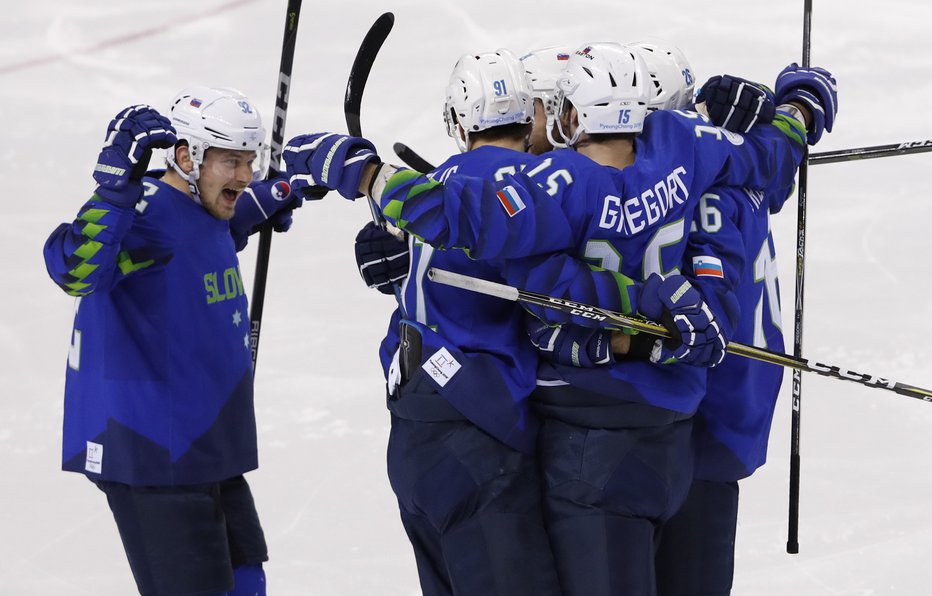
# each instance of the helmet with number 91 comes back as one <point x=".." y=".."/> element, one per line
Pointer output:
<point x="609" y="86"/>
<point x="209" y="117"/>
<point x="674" y="82"/>
<point x="486" y="90"/>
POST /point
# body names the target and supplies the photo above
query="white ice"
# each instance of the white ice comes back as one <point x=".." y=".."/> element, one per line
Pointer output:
<point x="66" y="67"/>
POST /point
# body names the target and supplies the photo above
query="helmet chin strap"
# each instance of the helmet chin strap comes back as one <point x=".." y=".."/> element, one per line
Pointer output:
<point x="462" y="142"/>
<point x="551" y="120"/>
<point x="189" y="177"/>
<point x="570" y="141"/>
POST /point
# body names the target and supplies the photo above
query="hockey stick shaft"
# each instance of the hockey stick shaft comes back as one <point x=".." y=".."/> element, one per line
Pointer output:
<point x="858" y="153"/>
<point x="610" y="318"/>
<point x="257" y="303"/>
<point x="792" y="541"/>
<point x="411" y="158"/>
<point x="356" y="84"/>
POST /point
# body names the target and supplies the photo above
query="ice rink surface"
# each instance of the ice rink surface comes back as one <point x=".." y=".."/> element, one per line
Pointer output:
<point x="67" y="67"/>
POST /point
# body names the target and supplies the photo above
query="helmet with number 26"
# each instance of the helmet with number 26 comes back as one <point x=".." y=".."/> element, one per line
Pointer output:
<point x="209" y="117"/>
<point x="609" y="85"/>
<point x="673" y="78"/>
<point x="486" y="90"/>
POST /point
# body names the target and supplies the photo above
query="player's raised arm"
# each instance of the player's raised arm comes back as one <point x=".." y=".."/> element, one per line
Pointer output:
<point x="768" y="155"/>
<point x="85" y="255"/>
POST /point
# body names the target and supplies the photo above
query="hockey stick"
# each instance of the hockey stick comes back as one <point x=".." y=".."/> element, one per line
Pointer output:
<point x="874" y="152"/>
<point x="356" y="84"/>
<point x="415" y="161"/>
<point x="792" y="540"/>
<point x="257" y="303"/>
<point x="610" y="319"/>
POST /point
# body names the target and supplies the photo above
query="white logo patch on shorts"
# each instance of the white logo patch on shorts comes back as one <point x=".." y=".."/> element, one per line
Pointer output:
<point x="441" y="366"/>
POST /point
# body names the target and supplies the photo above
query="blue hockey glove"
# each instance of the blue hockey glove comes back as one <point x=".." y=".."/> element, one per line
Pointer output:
<point x="815" y="88"/>
<point x="122" y="162"/>
<point x="736" y="104"/>
<point x="330" y="160"/>
<point x="270" y="200"/>
<point x="383" y="259"/>
<point x="571" y="345"/>
<point x="696" y="338"/>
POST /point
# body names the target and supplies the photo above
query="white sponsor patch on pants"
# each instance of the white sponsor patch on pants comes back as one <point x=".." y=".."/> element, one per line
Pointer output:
<point x="95" y="457"/>
<point x="441" y="366"/>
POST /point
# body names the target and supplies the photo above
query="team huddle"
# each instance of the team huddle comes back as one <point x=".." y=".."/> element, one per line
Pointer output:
<point x="531" y="451"/>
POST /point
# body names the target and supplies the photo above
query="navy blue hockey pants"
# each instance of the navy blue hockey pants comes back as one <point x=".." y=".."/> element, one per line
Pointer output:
<point x="471" y="507"/>
<point x="607" y="492"/>
<point x="697" y="545"/>
<point x="197" y="539"/>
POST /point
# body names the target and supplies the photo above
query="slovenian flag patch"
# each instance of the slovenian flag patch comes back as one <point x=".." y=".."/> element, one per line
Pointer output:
<point x="510" y="200"/>
<point x="708" y="266"/>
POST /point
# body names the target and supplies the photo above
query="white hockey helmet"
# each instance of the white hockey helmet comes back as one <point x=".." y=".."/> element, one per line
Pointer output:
<point x="486" y="90"/>
<point x="609" y="86"/>
<point x="543" y="68"/>
<point x="673" y="78"/>
<point x="208" y="117"/>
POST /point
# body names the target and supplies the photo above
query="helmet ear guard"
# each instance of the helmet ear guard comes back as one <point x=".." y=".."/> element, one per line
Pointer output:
<point x="485" y="91"/>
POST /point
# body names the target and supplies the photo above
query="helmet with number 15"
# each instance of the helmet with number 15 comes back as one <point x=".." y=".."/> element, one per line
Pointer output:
<point x="610" y="87"/>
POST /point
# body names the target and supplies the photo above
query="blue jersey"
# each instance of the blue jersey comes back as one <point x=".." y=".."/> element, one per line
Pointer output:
<point x="158" y="389"/>
<point x="484" y="335"/>
<point x="733" y="420"/>
<point x="565" y="210"/>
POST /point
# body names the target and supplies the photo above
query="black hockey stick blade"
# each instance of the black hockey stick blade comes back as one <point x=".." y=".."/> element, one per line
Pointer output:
<point x="612" y="319"/>
<point x="362" y="65"/>
<point x="356" y="84"/>
<point x="873" y="152"/>
<point x="412" y="159"/>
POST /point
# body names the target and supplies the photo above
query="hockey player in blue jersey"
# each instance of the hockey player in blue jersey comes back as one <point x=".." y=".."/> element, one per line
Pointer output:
<point x="460" y="370"/>
<point x="159" y="389"/>
<point x="730" y="249"/>
<point x="632" y="219"/>
<point x="696" y="549"/>
<point x="732" y="425"/>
